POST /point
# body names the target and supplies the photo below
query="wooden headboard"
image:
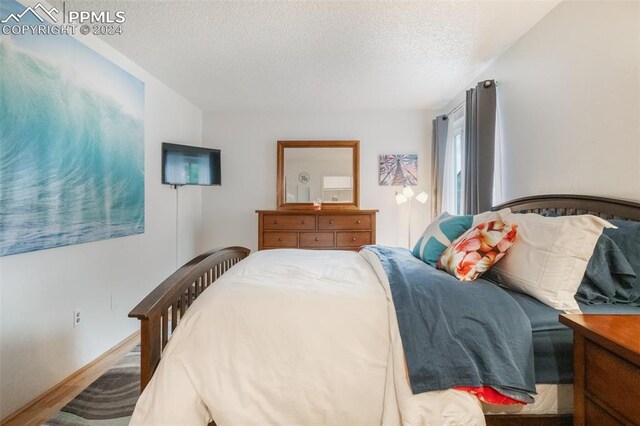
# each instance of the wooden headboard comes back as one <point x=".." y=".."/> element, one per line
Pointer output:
<point x="568" y="205"/>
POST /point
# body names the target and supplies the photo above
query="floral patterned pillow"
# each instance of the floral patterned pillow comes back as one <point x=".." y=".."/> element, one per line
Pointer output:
<point x="478" y="249"/>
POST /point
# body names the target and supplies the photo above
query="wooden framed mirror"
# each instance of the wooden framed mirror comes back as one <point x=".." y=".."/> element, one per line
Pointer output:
<point x="318" y="170"/>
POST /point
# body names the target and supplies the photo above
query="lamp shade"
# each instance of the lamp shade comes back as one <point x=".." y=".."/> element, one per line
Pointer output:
<point x="422" y="197"/>
<point x="400" y="198"/>
<point x="407" y="192"/>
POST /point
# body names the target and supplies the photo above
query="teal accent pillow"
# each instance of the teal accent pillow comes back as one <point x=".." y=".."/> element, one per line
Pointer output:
<point x="439" y="235"/>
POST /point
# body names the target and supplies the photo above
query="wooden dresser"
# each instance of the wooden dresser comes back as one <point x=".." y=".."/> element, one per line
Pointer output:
<point x="606" y="356"/>
<point x="316" y="230"/>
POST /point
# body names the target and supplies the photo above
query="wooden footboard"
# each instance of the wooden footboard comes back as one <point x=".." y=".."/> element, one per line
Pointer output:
<point x="160" y="312"/>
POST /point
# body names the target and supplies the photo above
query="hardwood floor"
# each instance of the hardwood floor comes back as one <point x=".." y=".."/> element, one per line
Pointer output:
<point x="46" y="405"/>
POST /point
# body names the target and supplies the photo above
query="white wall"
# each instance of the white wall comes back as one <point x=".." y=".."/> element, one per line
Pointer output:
<point x="39" y="290"/>
<point x="248" y="144"/>
<point x="569" y="102"/>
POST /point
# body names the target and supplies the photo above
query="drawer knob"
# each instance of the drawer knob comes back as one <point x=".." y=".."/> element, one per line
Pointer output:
<point x="358" y="221"/>
<point x="275" y="222"/>
<point x="317" y="239"/>
<point x="353" y="238"/>
<point x="280" y="239"/>
<point x="330" y="221"/>
<point x="303" y="222"/>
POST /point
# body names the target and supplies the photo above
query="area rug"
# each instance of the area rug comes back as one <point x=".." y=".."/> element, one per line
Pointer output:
<point x="109" y="400"/>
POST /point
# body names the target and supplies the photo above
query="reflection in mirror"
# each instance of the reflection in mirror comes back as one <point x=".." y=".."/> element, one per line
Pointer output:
<point x="318" y="173"/>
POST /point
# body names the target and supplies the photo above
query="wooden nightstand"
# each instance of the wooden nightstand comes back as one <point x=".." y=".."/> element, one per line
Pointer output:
<point x="606" y="363"/>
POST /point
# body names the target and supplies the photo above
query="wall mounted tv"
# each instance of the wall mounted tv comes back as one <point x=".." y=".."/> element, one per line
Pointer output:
<point x="190" y="165"/>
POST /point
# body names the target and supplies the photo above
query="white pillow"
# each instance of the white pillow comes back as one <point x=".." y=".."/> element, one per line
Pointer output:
<point x="491" y="215"/>
<point x="549" y="257"/>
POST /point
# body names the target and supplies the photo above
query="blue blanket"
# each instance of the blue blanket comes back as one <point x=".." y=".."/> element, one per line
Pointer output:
<point x="457" y="334"/>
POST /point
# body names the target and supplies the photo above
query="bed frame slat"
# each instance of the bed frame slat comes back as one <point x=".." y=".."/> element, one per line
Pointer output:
<point x="184" y="298"/>
<point x="165" y="329"/>
<point x="174" y="315"/>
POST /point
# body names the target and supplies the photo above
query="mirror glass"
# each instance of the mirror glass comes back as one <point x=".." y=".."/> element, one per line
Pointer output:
<point x="318" y="173"/>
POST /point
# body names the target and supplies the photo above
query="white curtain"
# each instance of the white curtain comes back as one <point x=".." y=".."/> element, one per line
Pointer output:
<point x="498" y="186"/>
<point x="449" y="174"/>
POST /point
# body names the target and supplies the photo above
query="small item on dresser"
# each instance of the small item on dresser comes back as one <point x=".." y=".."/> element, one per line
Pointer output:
<point x="317" y="204"/>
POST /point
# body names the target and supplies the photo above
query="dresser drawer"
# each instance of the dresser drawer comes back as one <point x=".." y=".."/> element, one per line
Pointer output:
<point x="596" y="416"/>
<point x="316" y="239"/>
<point x="347" y="221"/>
<point x="612" y="380"/>
<point x="280" y="239"/>
<point x="353" y="239"/>
<point x="289" y="221"/>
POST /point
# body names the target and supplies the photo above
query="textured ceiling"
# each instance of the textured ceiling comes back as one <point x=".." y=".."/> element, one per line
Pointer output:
<point x="317" y="55"/>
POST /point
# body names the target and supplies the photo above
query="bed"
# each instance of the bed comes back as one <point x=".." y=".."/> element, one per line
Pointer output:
<point x="162" y="310"/>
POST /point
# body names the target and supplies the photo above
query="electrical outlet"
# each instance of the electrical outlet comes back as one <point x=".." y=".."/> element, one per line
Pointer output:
<point x="76" y="318"/>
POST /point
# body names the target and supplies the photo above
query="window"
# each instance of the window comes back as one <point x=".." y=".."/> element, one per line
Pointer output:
<point x="459" y="167"/>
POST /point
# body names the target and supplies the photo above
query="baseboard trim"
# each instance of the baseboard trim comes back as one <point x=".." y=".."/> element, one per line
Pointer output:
<point x="44" y="406"/>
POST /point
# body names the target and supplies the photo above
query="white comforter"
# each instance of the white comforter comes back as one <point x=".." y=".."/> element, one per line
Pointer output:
<point x="294" y="337"/>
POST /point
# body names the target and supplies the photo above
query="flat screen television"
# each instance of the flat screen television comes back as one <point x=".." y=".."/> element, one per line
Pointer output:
<point x="190" y="165"/>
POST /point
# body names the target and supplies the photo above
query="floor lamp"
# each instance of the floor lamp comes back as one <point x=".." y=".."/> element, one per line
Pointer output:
<point x="407" y="194"/>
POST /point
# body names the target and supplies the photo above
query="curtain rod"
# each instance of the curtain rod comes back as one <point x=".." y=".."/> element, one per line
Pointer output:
<point x="454" y="110"/>
<point x="463" y="102"/>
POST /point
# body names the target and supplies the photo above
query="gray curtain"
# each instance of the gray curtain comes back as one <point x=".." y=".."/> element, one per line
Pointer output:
<point x="480" y="133"/>
<point x="438" y="146"/>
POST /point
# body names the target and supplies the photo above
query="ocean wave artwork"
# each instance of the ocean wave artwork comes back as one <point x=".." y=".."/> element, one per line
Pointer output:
<point x="71" y="144"/>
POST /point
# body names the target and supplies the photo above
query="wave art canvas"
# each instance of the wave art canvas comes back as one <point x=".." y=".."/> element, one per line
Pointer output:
<point x="71" y="143"/>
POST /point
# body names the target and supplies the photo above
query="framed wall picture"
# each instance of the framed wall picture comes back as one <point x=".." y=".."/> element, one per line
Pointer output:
<point x="71" y="143"/>
<point x="398" y="170"/>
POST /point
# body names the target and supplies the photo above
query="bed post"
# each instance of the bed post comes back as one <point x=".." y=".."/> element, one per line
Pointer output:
<point x="149" y="349"/>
